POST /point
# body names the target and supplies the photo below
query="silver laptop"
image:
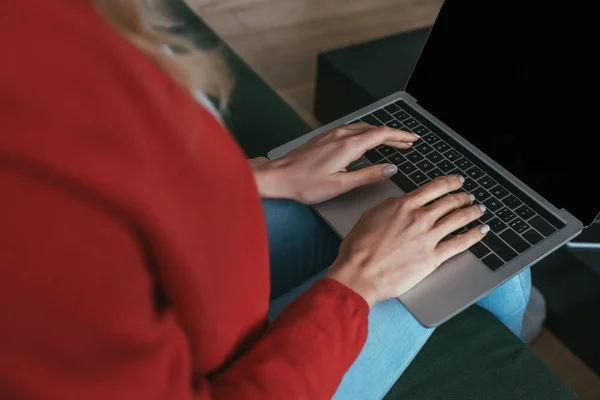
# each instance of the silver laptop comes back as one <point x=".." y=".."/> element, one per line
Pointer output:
<point x="508" y="100"/>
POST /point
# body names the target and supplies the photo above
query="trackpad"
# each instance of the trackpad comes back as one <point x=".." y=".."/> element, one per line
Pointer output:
<point x="343" y="212"/>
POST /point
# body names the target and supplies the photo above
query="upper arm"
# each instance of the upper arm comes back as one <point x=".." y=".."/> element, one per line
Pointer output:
<point x="77" y="312"/>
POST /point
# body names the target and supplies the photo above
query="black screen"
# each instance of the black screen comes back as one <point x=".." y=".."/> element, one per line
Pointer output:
<point x="519" y="80"/>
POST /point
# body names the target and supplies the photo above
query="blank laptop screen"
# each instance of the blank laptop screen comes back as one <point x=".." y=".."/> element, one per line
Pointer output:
<point x="519" y="80"/>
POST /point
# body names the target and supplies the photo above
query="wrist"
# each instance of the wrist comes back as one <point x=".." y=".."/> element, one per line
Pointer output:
<point x="352" y="277"/>
<point x="267" y="175"/>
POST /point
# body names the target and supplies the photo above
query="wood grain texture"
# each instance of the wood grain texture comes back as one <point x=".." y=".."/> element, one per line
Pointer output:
<point x="280" y="39"/>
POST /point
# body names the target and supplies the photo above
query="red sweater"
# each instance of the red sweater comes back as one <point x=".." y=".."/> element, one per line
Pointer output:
<point x="133" y="251"/>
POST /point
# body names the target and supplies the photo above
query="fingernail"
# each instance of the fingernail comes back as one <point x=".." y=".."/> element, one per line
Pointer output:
<point x="471" y="197"/>
<point x="389" y="170"/>
<point x="461" y="178"/>
<point x="417" y="136"/>
<point x="484" y="228"/>
<point x="409" y="143"/>
<point x="482" y="207"/>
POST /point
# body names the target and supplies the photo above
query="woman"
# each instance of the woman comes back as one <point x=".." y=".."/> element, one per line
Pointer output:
<point x="134" y="248"/>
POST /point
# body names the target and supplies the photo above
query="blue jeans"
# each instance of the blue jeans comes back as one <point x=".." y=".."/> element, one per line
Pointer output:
<point x="302" y="246"/>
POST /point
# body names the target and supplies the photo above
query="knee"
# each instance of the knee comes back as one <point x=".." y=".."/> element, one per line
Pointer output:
<point x="511" y="298"/>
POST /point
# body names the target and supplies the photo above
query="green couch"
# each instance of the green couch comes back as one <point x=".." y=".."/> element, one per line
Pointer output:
<point x="471" y="357"/>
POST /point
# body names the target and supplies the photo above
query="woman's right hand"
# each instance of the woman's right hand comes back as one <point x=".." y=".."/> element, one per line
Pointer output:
<point x="397" y="244"/>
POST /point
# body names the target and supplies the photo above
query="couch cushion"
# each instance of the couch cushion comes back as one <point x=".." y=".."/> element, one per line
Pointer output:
<point x="474" y="357"/>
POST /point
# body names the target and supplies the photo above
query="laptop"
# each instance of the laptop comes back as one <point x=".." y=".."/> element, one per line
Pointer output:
<point x="505" y="94"/>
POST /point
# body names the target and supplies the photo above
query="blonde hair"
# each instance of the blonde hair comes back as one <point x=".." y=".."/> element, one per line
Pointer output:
<point x="145" y="24"/>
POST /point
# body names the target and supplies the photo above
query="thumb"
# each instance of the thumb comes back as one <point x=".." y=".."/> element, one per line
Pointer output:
<point x="372" y="174"/>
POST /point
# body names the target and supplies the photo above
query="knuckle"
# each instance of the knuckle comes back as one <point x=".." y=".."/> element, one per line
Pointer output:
<point x="350" y="142"/>
<point x="337" y="132"/>
<point x="451" y="182"/>
<point x="409" y="200"/>
<point x="370" y="173"/>
<point x="475" y="211"/>
<point x="457" y="200"/>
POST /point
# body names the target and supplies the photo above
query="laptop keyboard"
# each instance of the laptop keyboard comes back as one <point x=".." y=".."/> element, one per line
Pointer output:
<point x="517" y="223"/>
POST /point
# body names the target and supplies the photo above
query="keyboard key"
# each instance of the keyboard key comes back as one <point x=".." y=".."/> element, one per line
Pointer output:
<point x="532" y="236"/>
<point x="542" y="226"/>
<point x="387" y="151"/>
<point x="435" y="173"/>
<point x="524" y="212"/>
<point x="492" y="262"/>
<point x="404" y="152"/>
<point x="415" y="157"/>
<point x="421" y="130"/>
<point x="519" y="225"/>
<point x="460" y="231"/>
<point x="480" y="250"/>
<point x="369" y="119"/>
<point x="452" y="155"/>
<point x="473" y="224"/>
<point x="493" y="204"/>
<point x="475" y="173"/>
<point x="515" y="241"/>
<point x="425" y="165"/>
<point x="469" y="185"/>
<point x="481" y="194"/>
<point x="373" y="156"/>
<point x="499" y="192"/>
<point x="464" y="164"/>
<point x="401" y="115"/>
<point x="446" y="166"/>
<point x="496" y="225"/>
<point x="407" y="168"/>
<point x="430" y="138"/>
<point x="391" y="108"/>
<point x="355" y="165"/>
<point x="418" y="177"/>
<point x="441" y="146"/>
<point x="397" y="158"/>
<point x="403" y="182"/>
<point x="512" y="201"/>
<point x="435" y="157"/>
<point x="382" y="115"/>
<point x="506" y="215"/>
<point x="486" y="217"/>
<point x="395" y="124"/>
<point x="499" y="247"/>
<point x="487" y="182"/>
<point x="410" y="123"/>
<point x="424" y="148"/>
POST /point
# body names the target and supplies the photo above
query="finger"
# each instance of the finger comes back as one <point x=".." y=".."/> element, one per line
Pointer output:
<point x="447" y="204"/>
<point x="359" y="126"/>
<point x="399" y="145"/>
<point x="434" y="189"/>
<point x="459" y="243"/>
<point x="457" y="219"/>
<point x="344" y="131"/>
<point x="365" y="176"/>
<point x="374" y="137"/>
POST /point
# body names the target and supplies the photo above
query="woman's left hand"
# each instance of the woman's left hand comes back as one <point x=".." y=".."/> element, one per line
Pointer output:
<point x="316" y="171"/>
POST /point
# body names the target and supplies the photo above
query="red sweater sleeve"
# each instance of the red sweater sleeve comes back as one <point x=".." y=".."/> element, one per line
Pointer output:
<point x="79" y="322"/>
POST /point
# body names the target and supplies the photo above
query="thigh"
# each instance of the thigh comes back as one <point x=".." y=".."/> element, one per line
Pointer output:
<point x="394" y="339"/>
<point x="301" y="244"/>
